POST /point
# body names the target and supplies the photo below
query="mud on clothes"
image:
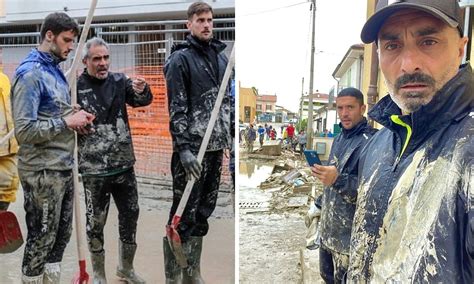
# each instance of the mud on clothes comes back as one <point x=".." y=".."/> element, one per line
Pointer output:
<point x="414" y="220"/>
<point x="40" y="98"/>
<point x="194" y="73"/>
<point x="106" y="157"/>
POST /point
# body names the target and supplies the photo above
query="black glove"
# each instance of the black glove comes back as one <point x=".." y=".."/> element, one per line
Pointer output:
<point x="190" y="164"/>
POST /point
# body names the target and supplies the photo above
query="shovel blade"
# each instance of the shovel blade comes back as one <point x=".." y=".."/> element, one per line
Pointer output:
<point x="10" y="234"/>
<point x="176" y="246"/>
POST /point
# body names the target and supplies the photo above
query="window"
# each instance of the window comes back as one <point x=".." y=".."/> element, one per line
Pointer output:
<point x="269" y="107"/>
<point x="259" y="107"/>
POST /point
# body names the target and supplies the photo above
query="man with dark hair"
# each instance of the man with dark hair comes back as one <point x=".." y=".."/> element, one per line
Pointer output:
<point x="106" y="156"/>
<point x="340" y="180"/>
<point x="44" y="121"/>
<point x="414" y="221"/>
<point x="194" y="73"/>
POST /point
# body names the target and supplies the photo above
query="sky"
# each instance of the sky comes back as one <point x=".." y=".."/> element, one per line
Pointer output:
<point x="273" y="44"/>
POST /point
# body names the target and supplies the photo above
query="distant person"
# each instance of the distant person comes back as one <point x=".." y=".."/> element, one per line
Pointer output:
<point x="251" y="137"/>
<point x="291" y="133"/>
<point x="261" y="135"/>
<point x="340" y="178"/>
<point x="414" y="221"/>
<point x="330" y="134"/>
<point x="302" y="141"/>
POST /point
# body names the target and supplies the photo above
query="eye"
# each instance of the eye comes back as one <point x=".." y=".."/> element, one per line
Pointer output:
<point x="391" y="46"/>
<point x="429" y="42"/>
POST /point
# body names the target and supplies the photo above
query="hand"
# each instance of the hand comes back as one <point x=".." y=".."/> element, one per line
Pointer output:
<point x="326" y="174"/>
<point x="227" y="153"/>
<point x="313" y="212"/>
<point x="190" y="164"/>
<point x="79" y="121"/>
<point x="138" y="85"/>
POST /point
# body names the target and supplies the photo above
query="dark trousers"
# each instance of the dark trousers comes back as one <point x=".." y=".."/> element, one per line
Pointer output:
<point x="123" y="188"/>
<point x="48" y="205"/>
<point x="332" y="265"/>
<point x="203" y="198"/>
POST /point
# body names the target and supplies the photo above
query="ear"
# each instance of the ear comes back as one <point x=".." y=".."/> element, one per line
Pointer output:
<point x="462" y="43"/>
<point x="84" y="61"/>
<point x="363" y="108"/>
<point x="49" y="36"/>
<point x="188" y="24"/>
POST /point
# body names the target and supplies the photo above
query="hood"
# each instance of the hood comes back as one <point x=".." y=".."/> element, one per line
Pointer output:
<point x="36" y="56"/>
<point x="192" y="42"/>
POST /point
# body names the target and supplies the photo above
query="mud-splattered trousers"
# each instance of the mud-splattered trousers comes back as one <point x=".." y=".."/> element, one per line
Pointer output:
<point x="123" y="188"/>
<point x="414" y="221"/>
<point x="40" y="99"/>
<point x="48" y="206"/>
<point x="203" y="198"/>
<point x="106" y="157"/>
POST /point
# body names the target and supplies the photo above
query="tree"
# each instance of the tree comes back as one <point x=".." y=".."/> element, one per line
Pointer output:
<point x="302" y="125"/>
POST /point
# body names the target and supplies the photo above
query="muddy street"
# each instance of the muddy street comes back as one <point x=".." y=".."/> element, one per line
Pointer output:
<point x="272" y="230"/>
<point x="217" y="264"/>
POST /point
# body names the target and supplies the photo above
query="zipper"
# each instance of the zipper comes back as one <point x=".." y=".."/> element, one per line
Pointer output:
<point x="396" y="119"/>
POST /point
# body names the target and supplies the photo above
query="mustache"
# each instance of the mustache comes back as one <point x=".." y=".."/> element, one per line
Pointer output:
<point x="414" y="78"/>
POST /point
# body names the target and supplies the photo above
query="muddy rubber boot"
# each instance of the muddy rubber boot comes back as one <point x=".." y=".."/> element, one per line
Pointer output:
<point x="192" y="249"/>
<point x="98" y="266"/>
<point x="172" y="269"/>
<point x="52" y="273"/>
<point x="32" y="279"/>
<point x="125" y="268"/>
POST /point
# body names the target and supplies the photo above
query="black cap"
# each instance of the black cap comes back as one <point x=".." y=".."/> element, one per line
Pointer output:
<point x="446" y="10"/>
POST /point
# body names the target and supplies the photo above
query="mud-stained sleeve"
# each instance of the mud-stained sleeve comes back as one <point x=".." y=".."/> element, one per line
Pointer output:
<point x="26" y="98"/>
<point x="137" y="100"/>
<point x="176" y="72"/>
<point x="467" y="183"/>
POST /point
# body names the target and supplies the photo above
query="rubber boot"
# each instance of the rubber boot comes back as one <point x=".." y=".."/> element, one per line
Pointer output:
<point x="98" y="266"/>
<point x="172" y="269"/>
<point x="193" y="248"/>
<point x="125" y="268"/>
<point x="52" y="273"/>
<point x="32" y="279"/>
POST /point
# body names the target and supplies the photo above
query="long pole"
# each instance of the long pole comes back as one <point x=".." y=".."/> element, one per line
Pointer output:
<point x="309" y="131"/>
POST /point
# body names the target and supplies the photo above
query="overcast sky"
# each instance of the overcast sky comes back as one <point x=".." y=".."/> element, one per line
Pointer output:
<point x="274" y="41"/>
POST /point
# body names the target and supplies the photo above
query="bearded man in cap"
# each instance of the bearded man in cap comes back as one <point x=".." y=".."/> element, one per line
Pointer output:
<point x="414" y="220"/>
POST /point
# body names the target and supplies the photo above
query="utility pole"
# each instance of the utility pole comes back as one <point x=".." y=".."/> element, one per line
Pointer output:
<point x="300" y="112"/>
<point x="310" y="131"/>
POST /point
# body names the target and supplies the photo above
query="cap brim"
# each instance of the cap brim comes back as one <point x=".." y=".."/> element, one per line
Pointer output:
<point x="374" y="23"/>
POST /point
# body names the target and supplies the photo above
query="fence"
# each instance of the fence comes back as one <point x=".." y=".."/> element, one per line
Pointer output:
<point x="137" y="49"/>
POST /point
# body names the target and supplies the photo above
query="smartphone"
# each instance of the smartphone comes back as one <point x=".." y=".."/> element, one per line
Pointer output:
<point x="312" y="157"/>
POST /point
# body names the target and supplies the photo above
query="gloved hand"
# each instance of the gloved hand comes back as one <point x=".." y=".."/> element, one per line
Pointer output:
<point x="313" y="212"/>
<point x="190" y="164"/>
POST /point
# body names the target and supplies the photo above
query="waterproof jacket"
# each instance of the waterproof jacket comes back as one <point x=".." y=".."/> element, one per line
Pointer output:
<point x="109" y="149"/>
<point x="338" y="200"/>
<point x="192" y="87"/>
<point x="10" y="146"/>
<point x="414" y="221"/>
<point x="40" y="99"/>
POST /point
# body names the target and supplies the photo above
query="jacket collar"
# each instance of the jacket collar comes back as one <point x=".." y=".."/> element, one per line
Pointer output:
<point x="451" y="103"/>
<point x="192" y="42"/>
<point x="356" y="130"/>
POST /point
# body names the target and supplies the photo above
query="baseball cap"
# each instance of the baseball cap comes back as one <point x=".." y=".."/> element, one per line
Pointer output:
<point x="446" y="10"/>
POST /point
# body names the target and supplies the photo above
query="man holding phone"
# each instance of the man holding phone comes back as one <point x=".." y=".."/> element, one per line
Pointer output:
<point x="340" y="180"/>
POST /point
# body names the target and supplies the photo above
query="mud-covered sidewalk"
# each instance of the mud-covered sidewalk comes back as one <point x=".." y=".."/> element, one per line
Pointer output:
<point x="273" y="200"/>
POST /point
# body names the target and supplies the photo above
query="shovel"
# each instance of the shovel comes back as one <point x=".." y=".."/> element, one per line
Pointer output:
<point x="172" y="230"/>
<point x="10" y="233"/>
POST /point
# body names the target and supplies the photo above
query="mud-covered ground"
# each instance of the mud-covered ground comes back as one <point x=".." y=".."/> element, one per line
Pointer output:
<point x="272" y="234"/>
<point x="218" y="265"/>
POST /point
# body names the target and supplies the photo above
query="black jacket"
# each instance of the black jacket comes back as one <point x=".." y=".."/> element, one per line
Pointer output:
<point x="192" y="88"/>
<point x="414" y="221"/>
<point x="110" y="148"/>
<point x="338" y="200"/>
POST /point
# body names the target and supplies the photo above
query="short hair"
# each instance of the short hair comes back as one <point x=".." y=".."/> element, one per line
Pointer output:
<point x="57" y="23"/>
<point x="352" y="92"/>
<point x="197" y="8"/>
<point x="93" y="42"/>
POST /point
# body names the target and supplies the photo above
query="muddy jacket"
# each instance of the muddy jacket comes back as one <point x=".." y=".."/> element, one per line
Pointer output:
<point x="414" y="221"/>
<point x="109" y="149"/>
<point x="10" y="146"/>
<point x="338" y="200"/>
<point x="192" y="87"/>
<point x="40" y="98"/>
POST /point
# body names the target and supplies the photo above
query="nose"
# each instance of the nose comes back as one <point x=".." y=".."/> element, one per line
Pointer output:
<point x="410" y="60"/>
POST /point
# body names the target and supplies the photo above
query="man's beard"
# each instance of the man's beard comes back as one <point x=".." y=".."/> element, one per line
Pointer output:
<point x="412" y="101"/>
<point x="56" y="52"/>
